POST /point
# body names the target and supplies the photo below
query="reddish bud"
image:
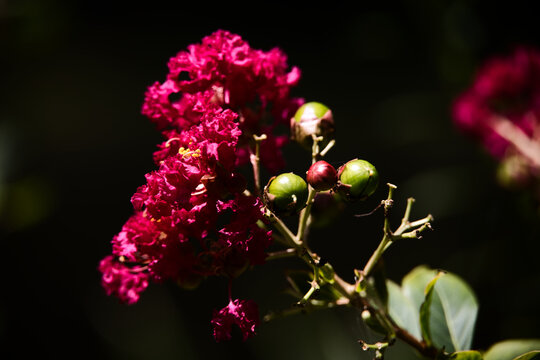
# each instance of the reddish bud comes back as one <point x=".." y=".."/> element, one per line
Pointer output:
<point x="322" y="176"/>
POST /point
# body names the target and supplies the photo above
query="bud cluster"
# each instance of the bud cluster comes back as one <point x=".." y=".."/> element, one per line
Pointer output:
<point x="287" y="193"/>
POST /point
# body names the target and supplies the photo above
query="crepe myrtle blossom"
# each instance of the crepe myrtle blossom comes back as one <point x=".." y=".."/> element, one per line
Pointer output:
<point x="242" y="313"/>
<point x="121" y="281"/>
<point x="184" y="199"/>
<point x="193" y="217"/>
<point x="502" y="107"/>
<point x="223" y="69"/>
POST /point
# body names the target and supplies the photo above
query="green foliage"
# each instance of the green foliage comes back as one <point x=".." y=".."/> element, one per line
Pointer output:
<point x="402" y="310"/>
<point x="466" y="355"/>
<point x="529" y="356"/>
<point x="426" y="316"/>
<point x="439" y="307"/>
<point x="514" y="349"/>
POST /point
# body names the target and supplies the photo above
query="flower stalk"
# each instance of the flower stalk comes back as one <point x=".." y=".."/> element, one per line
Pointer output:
<point x="255" y="159"/>
<point x="306" y="212"/>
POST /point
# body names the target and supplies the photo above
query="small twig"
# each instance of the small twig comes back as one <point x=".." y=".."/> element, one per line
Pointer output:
<point x="306" y="211"/>
<point x="282" y="228"/>
<point x="290" y="252"/>
<point x="386" y="233"/>
<point x="305" y="214"/>
<point x="255" y="162"/>
<point x="327" y="148"/>
<point x="421" y="224"/>
<point x="371" y="212"/>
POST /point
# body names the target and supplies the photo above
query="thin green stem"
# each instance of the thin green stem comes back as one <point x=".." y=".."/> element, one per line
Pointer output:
<point x="314" y="287"/>
<point x="329" y="146"/>
<point x="390" y="237"/>
<point x="255" y="162"/>
<point x="377" y="346"/>
<point x="415" y="234"/>
<point x="304" y="215"/>
<point x="282" y="228"/>
<point x="346" y="289"/>
<point x="306" y="211"/>
<point x="387" y="234"/>
<point x="420" y="226"/>
<point x="387" y="206"/>
<point x="315" y="150"/>
<point x="290" y="252"/>
<point x="407" y="215"/>
<point x="370" y="265"/>
<point x="421" y="222"/>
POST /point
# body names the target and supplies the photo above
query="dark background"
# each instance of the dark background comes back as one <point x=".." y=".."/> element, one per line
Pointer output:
<point x="74" y="147"/>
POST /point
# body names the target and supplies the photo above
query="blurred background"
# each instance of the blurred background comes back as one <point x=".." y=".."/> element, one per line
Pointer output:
<point x="74" y="147"/>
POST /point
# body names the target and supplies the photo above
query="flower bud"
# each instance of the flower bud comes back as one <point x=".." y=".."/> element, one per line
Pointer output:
<point x="321" y="176"/>
<point x="366" y="315"/>
<point x="372" y="322"/>
<point x="312" y="118"/>
<point x="358" y="179"/>
<point x="286" y="193"/>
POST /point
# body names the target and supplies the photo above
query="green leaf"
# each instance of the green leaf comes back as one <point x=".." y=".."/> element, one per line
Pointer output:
<point x="513" y="349"/>
<point x="402" y="310"/>
<point x="449" y="314"/>
<point x="425" y="312"/>
<point x="449" y="311"/>
<point x="529" y="356"/>
<point x="466" y="355"/>
<point x="414" y="284"/>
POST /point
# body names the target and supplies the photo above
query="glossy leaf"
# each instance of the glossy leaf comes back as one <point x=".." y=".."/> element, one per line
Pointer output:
<point x="426" y="315"/>
<point x="513" y="349"/>
<point x="531" y="355"/>
<point x="414" y="284"/>
<point x="466" y="355"/>
<point x="402" y="310"/>
<point x="449" y="308"/>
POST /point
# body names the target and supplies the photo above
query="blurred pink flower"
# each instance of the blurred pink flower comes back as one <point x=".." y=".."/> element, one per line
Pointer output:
<point x="242" y="313"/>
<point x="502" y="110"/>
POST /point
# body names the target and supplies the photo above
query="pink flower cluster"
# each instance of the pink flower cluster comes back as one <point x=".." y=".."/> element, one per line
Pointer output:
<point x="502" y="107"/>
<point x="253" y="83"/>
<point x="193" y="217"/>
<point x="243" y="313"/>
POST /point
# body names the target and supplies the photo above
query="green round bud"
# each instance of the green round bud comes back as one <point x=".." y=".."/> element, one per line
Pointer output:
<point x="310" y="110"/>
<point x="358" y="179"/>
<point x="312" y="118"/>
<point x="286" y="193"/>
